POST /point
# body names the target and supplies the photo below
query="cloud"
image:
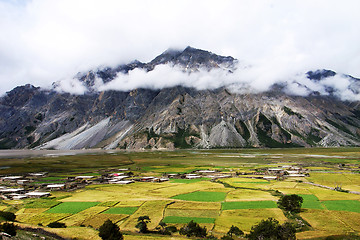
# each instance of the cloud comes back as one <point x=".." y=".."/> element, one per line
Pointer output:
<point x="70" y="85"/>
<point x="242" y="80"/>
<point x="43" y="41"/>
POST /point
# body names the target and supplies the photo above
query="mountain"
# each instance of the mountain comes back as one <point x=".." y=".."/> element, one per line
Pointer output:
<point x="178" y="116"/>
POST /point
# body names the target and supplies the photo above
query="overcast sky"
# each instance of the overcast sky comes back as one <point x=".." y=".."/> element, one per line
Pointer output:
<point x="43" y="41"/>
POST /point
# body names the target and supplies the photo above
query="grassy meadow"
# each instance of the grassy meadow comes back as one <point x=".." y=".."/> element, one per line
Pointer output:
<point x="242" y="199"/>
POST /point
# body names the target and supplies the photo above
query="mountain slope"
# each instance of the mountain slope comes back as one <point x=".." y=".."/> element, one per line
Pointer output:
<point x="177" y="117"/>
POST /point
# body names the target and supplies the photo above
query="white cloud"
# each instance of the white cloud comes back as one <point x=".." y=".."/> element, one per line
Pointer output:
<point x="42" y="41"/>
<point x="242" y="80"/>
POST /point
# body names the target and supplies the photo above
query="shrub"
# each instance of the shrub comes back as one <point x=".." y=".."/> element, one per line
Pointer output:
<point x="8" y="216"/>
<point x="193" y="229"/>
<point x="110" y="231"/>
<point x="56" y="225"/>
<point x="171" y="229"/>
<point x="142" y="224"/>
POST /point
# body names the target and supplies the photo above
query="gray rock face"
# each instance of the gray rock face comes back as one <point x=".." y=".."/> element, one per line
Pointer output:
<point x="176" y="117"/>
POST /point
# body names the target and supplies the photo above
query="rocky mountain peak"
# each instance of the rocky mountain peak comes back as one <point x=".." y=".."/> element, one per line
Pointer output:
<point x="193" y="59"/>
<point x="190" y="59"/>
<point x="19" y="95"/>
<point x="320" y="74"/>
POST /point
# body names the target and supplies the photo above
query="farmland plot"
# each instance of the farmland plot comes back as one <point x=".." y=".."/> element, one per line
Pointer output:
<point x="245" y="218"/>
<point x="71" y="207"/>
<point x="96" y="221"/>
<point x="249" y="195"/>
<point x="153" y="209"/>
<point x="79" y="218"/>
<point x="324" y="221"/>
<point x="121" y="210"/>
<point x="202" y="196"/>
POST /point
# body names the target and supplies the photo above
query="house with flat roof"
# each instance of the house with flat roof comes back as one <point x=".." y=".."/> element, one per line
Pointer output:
<point x="55" y="186"/>
<point x="37" y="194"/>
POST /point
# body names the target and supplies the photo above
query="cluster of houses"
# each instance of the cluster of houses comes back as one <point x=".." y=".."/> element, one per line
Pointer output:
<point x="17" y="187"/>
<point x="282" y="172"/>
<point x="29" y="186"/>
<point x="122" y="178"/>
<point x="213" y="174"/>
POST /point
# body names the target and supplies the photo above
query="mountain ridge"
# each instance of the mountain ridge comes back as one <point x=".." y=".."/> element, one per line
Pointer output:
<point x="178" y="116"/>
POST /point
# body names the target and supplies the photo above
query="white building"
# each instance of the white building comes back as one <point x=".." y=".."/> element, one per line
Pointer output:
<point x="37" y="194"/>
<point x="55" y="186"/>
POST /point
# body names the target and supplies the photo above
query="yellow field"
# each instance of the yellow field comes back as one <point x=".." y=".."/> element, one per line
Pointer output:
<point x="286" y="184"/>
<point x="249" y="195"/>
<point x="76" y="233"/>
<point x="324" y="221"/>
<point x="79" y="218"/>
<point x="195" y="205"/>
<point x="129" y="203"/>
<point x="312" y="234"/>
<point x="96" y="221"/>
<point x="351" y="219"/>
<point x="139" y="191"/>
<point x="205" y="213"/>
<point x="245" y="218"/>
<point x="153" y="209"/>
<point x="325" y="194"/>
<point x="46" y="218"/>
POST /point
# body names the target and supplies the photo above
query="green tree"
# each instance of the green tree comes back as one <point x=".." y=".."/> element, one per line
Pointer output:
<point x="142" y="224"/>
<point x="110" y="231"/>
<point x="193" y="229"/>
<point x="291" y="203"/>
<point x="272" y="230"/>
<point x="235" y="231"/>
<point x="8" y="228"/>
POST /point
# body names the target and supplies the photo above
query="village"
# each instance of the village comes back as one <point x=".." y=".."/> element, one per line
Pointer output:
<point x="30" y="185"/>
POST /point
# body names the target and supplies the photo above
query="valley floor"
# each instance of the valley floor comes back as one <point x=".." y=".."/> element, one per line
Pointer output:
<point x="248" y="184"/>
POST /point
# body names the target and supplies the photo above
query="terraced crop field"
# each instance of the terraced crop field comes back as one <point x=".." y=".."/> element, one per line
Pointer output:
<point x="121" y="210"/>
<point x="201" y="196"/>
<point x="71" y="207"/>
<point x="248" y="205"/>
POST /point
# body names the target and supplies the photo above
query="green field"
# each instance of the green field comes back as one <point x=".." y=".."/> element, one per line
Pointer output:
<point x="311" y="201"/>
<point x="121" y="210"/>
<point x="248" y="205"/>
<point x="343" y="205"/>
<point x="71" y="207"/>
<point x="201" y="196"/>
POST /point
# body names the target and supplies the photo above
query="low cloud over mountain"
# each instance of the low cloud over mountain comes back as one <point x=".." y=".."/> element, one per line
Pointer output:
<point x="199" y="69"/>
